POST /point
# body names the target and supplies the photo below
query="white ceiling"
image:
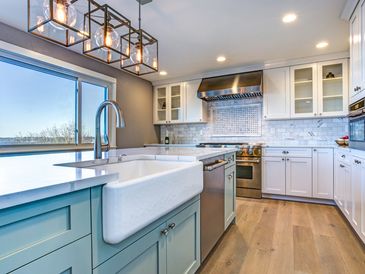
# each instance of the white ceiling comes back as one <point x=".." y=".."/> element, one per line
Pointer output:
<point x="192" y="33"/>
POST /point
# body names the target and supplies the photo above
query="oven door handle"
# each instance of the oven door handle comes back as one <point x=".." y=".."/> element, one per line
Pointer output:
<point x="248" y="161"/>
<point x="215" y="165"/>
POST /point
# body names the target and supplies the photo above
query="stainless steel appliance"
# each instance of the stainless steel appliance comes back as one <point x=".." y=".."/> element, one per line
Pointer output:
<point x="234" y="86"/>
<point x="212" y="205"/>
<point x="357" y="125"/>
<point x="248" y="167"/>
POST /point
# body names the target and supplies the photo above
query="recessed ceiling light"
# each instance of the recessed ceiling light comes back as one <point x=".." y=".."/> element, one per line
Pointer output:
<point x="289" y="18"/>
<point x="322" y="45"/>
<point x="163" y="73"/>
<point x="221" y="59"/>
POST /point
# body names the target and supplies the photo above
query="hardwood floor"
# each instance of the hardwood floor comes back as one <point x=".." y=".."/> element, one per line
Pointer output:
<point x="280" y="237"/>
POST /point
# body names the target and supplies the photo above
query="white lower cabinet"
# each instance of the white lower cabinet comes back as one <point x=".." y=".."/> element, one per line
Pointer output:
<point x="323" y="173"/>
<point x="299" y="177"/>
<point x="356" y="178"/>
<point x="349" y="189"/>
<point x="273" y="174"/>
<point x="287" y="176"/>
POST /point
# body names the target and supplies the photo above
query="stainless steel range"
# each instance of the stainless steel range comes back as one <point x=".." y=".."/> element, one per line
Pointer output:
<point x="248" y="159"/>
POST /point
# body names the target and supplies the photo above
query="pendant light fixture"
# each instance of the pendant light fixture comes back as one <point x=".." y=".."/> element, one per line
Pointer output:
<point x="60" y="21"/>
<point x="107" y="27"/>
<point x="143" y="50"/>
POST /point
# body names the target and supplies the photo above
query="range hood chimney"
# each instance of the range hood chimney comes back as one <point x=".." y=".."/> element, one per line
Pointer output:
<point x="234" y="86"/>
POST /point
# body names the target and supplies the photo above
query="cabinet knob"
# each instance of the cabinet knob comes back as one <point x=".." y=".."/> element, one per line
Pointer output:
<point x="342" y="166"/>
<point x="315" y="150"/>
<point x="230" y="177"/>
<point x="320" y="114"/>
<point x="287" y="159"/>
<point x="165" y="231"/>
<point x="282" y="159"/>
<point x="343" y="156"/>
<point x="172" y="226"/>
<point x="315" y="114"/>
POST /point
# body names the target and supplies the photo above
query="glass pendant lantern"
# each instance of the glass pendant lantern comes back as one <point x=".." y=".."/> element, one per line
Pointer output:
<point x="107" y="27"/>
<point x="60" y="21"/>
<point x="143" y="51"/>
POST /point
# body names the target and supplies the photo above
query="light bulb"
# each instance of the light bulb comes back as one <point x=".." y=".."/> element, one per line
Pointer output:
<point x="137" y="69"/>
<point x="72" y="39"/>
<point x="137" y="56"/>
<point x="111" y="38"/>
<point x="63" y="11"/>
<point x="109" y="58"/>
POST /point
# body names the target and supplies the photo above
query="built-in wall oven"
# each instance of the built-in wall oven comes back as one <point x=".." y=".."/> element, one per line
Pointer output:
<point x="357" y="125"/>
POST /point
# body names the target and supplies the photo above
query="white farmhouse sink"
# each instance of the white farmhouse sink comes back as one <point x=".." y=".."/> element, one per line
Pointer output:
<point x="146" y="190"/>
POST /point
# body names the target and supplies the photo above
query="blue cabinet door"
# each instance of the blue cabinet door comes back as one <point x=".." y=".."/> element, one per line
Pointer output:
<point x="183" y="241"/>
<point x="74" y="258"/>
<point x="146" y="255"/>
<point x="30" y="231"/>
<point x="229" y="196"/>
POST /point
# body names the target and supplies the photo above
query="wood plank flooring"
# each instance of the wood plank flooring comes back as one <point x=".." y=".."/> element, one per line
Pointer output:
<point x="280" y="237"/>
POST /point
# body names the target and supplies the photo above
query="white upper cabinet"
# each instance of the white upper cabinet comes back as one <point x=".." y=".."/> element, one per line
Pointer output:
<point x="277" y="93"/>
<point x="357" y="53"/>
<point x="333" y="88"/>
<point x="160" y="105"/>
<point x="178" y="103"/>
<point x="169" y="104"/>
<point x="303" y="91"/>
<point x="195" y="108"/>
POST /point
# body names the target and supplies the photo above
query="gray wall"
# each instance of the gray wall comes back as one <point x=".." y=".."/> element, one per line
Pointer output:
<point x="133" y="94"/>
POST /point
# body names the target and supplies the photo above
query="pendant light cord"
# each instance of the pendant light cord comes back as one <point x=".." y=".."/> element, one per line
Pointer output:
<point x="139" y="12"/>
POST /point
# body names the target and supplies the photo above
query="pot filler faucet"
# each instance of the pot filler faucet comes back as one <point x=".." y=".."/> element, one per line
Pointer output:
<point x="120" y="123"/>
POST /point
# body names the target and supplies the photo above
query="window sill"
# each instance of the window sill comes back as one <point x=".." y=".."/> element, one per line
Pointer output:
<point x="40" y="149"/>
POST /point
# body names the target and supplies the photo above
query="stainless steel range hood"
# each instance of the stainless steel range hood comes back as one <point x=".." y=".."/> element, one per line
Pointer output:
<point x="235" y="86"/>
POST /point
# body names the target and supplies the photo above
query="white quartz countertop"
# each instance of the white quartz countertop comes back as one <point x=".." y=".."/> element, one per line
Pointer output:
<point x="33" y="177"/>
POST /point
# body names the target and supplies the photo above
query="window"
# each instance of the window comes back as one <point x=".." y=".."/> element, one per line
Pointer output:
<point x="40" y="106"/>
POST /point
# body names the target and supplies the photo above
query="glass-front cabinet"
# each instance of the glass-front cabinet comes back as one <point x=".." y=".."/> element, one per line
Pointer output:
<point x="168" y="104"/>
<point x="304" y="90"/>
<point x="320" y="89"/>
<point x="332" y="88"/>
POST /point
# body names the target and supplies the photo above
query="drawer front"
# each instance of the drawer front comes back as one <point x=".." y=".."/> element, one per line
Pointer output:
<point x="74" y="258"/>
<point x="287" y="152"/>
<point x="30" y="231"/>
<point x="342" y="156"/>
<point x="231" y="158"/>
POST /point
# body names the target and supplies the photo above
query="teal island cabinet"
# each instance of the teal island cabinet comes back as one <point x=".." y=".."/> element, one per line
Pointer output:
<point x="63" y="235"/>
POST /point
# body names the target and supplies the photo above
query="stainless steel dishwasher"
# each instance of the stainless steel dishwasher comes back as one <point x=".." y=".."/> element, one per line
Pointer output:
<point x="212" y="205"/>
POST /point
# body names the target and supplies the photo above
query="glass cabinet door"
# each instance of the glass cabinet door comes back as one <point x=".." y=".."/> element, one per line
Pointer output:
<point x="304" y="92"/>
<point x="176" y="103"/>
<point x="161" y="104"/>
<point x="332" y="88"/>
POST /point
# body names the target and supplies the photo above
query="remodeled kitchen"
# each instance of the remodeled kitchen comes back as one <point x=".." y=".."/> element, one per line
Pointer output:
<point x="145" y="136"/>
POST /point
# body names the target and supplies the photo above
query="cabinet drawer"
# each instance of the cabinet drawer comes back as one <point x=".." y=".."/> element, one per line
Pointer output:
<point x="343" y="156"/>
<point x="288" y="152"/>
<point x="231" y="158"/>
<point x="30" y="231"/>
<point x="74" y="258"/>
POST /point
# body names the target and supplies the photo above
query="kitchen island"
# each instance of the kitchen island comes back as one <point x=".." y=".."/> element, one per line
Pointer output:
<point x="49" y="211"/>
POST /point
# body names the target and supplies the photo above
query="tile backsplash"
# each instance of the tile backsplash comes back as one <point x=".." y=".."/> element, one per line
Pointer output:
<point x="241" y="121"/>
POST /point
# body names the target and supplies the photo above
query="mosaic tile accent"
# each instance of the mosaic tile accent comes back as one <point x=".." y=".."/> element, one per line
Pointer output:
<point x="241" y="121"/>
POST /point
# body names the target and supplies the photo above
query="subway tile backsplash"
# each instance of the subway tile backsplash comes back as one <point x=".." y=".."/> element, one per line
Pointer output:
<point x="241" y="121"/>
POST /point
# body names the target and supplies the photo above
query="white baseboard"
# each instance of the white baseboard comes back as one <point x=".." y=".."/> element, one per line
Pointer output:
<point x="299" y="199"/>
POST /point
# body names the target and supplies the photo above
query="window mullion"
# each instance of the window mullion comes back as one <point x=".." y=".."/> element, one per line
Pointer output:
<point x="79" y="112"/>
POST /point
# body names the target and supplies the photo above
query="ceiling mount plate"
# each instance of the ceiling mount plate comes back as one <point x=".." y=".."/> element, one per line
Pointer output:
<point x="144" y="2"/>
